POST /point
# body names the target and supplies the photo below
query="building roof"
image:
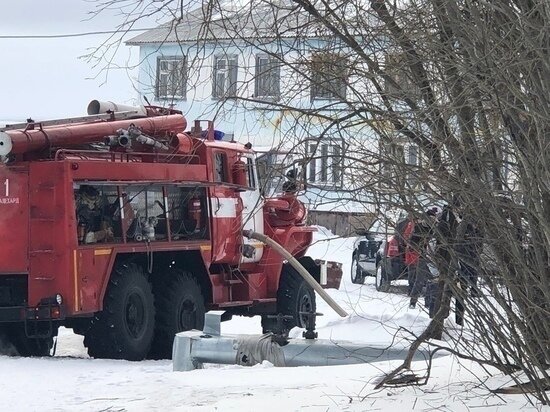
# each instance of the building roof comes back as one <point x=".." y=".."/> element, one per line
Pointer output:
<point x="248" y="22"/>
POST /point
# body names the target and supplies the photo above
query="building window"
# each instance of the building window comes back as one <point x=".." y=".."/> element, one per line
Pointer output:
<point x="267" y="81"/>
<point x="413" y="160"/>
<point x="393" y="159"/>
<point x="325" y="164"/>
<point x="171" y="78"/>
<point x="396" y="67"/>
<point x="500" y="170"/>
<point x="312" y="172"/>
<point x="225" y="77"/>
<point x="329" y="76"/>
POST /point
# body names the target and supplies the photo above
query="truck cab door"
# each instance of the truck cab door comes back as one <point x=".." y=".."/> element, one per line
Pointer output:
<point x="252" y="214"/>
<point x="224" y="206"/>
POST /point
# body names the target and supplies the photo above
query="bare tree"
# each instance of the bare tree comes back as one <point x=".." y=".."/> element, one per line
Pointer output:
<point x="434" y="102"/>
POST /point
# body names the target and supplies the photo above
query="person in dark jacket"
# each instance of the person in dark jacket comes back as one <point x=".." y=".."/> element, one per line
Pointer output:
<point x="94" y="216"/>
<point x="468" y="251"/>
<point x="291" y="185"/>
<point x="415" y="255"/>
<point x="459" y="243"/>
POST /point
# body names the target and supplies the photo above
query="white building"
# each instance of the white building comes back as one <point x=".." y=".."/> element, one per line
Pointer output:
<point x="200" y="65"/>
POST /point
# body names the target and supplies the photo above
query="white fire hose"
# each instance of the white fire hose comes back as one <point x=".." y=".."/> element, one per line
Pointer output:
<point x="299" y="268"/>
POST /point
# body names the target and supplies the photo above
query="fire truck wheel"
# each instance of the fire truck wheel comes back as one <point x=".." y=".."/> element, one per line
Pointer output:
<point x="293" y="297"/>
<point x="179" y="304"/>
<point x="124" y="329"/>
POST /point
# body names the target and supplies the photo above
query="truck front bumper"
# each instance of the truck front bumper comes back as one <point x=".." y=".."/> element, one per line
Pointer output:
<point x="43" y="312"/>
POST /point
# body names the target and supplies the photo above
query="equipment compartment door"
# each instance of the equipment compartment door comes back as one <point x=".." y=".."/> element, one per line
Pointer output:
<point x="14" y="220"/>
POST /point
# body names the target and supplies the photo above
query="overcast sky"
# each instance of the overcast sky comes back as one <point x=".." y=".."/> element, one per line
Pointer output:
<point x="48" y="78"/>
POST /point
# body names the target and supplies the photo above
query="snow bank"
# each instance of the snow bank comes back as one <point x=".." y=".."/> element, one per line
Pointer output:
<point x="71" y="381"/>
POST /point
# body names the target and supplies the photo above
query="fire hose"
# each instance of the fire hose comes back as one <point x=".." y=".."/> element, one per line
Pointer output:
<point x="302" y="271"/>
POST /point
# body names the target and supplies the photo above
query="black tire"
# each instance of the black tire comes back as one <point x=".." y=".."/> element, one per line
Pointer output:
<point x="179" y="305"/>
<point x="294" y="296"/>
<point x="16" y="343"/>
<point x="381" y="279"/>
<point x="357" y="276"/>
<point x="124" y="329"/>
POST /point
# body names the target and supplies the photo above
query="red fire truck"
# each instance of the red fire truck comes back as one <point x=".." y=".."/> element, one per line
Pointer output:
<point x="126" y="228"/>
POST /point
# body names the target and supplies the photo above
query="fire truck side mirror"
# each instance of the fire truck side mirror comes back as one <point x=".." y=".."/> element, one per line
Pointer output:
<point x="239" y="173"/>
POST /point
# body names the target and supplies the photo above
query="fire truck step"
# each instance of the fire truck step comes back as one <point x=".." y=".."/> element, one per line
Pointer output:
<point x="266" y="300"/>
<point x="233" y="281"/>
<point x="236" y="303"/>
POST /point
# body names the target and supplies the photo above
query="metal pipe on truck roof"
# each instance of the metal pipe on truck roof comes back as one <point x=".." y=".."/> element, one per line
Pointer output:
<point x="36" y="137"/>
<point x="98" y="107"/>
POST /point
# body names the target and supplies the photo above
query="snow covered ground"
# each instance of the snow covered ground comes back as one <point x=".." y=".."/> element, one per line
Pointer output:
<point x="71" y="381"/>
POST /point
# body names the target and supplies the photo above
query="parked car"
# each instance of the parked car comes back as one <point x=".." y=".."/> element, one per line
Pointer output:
<point x="380" y="252"/>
